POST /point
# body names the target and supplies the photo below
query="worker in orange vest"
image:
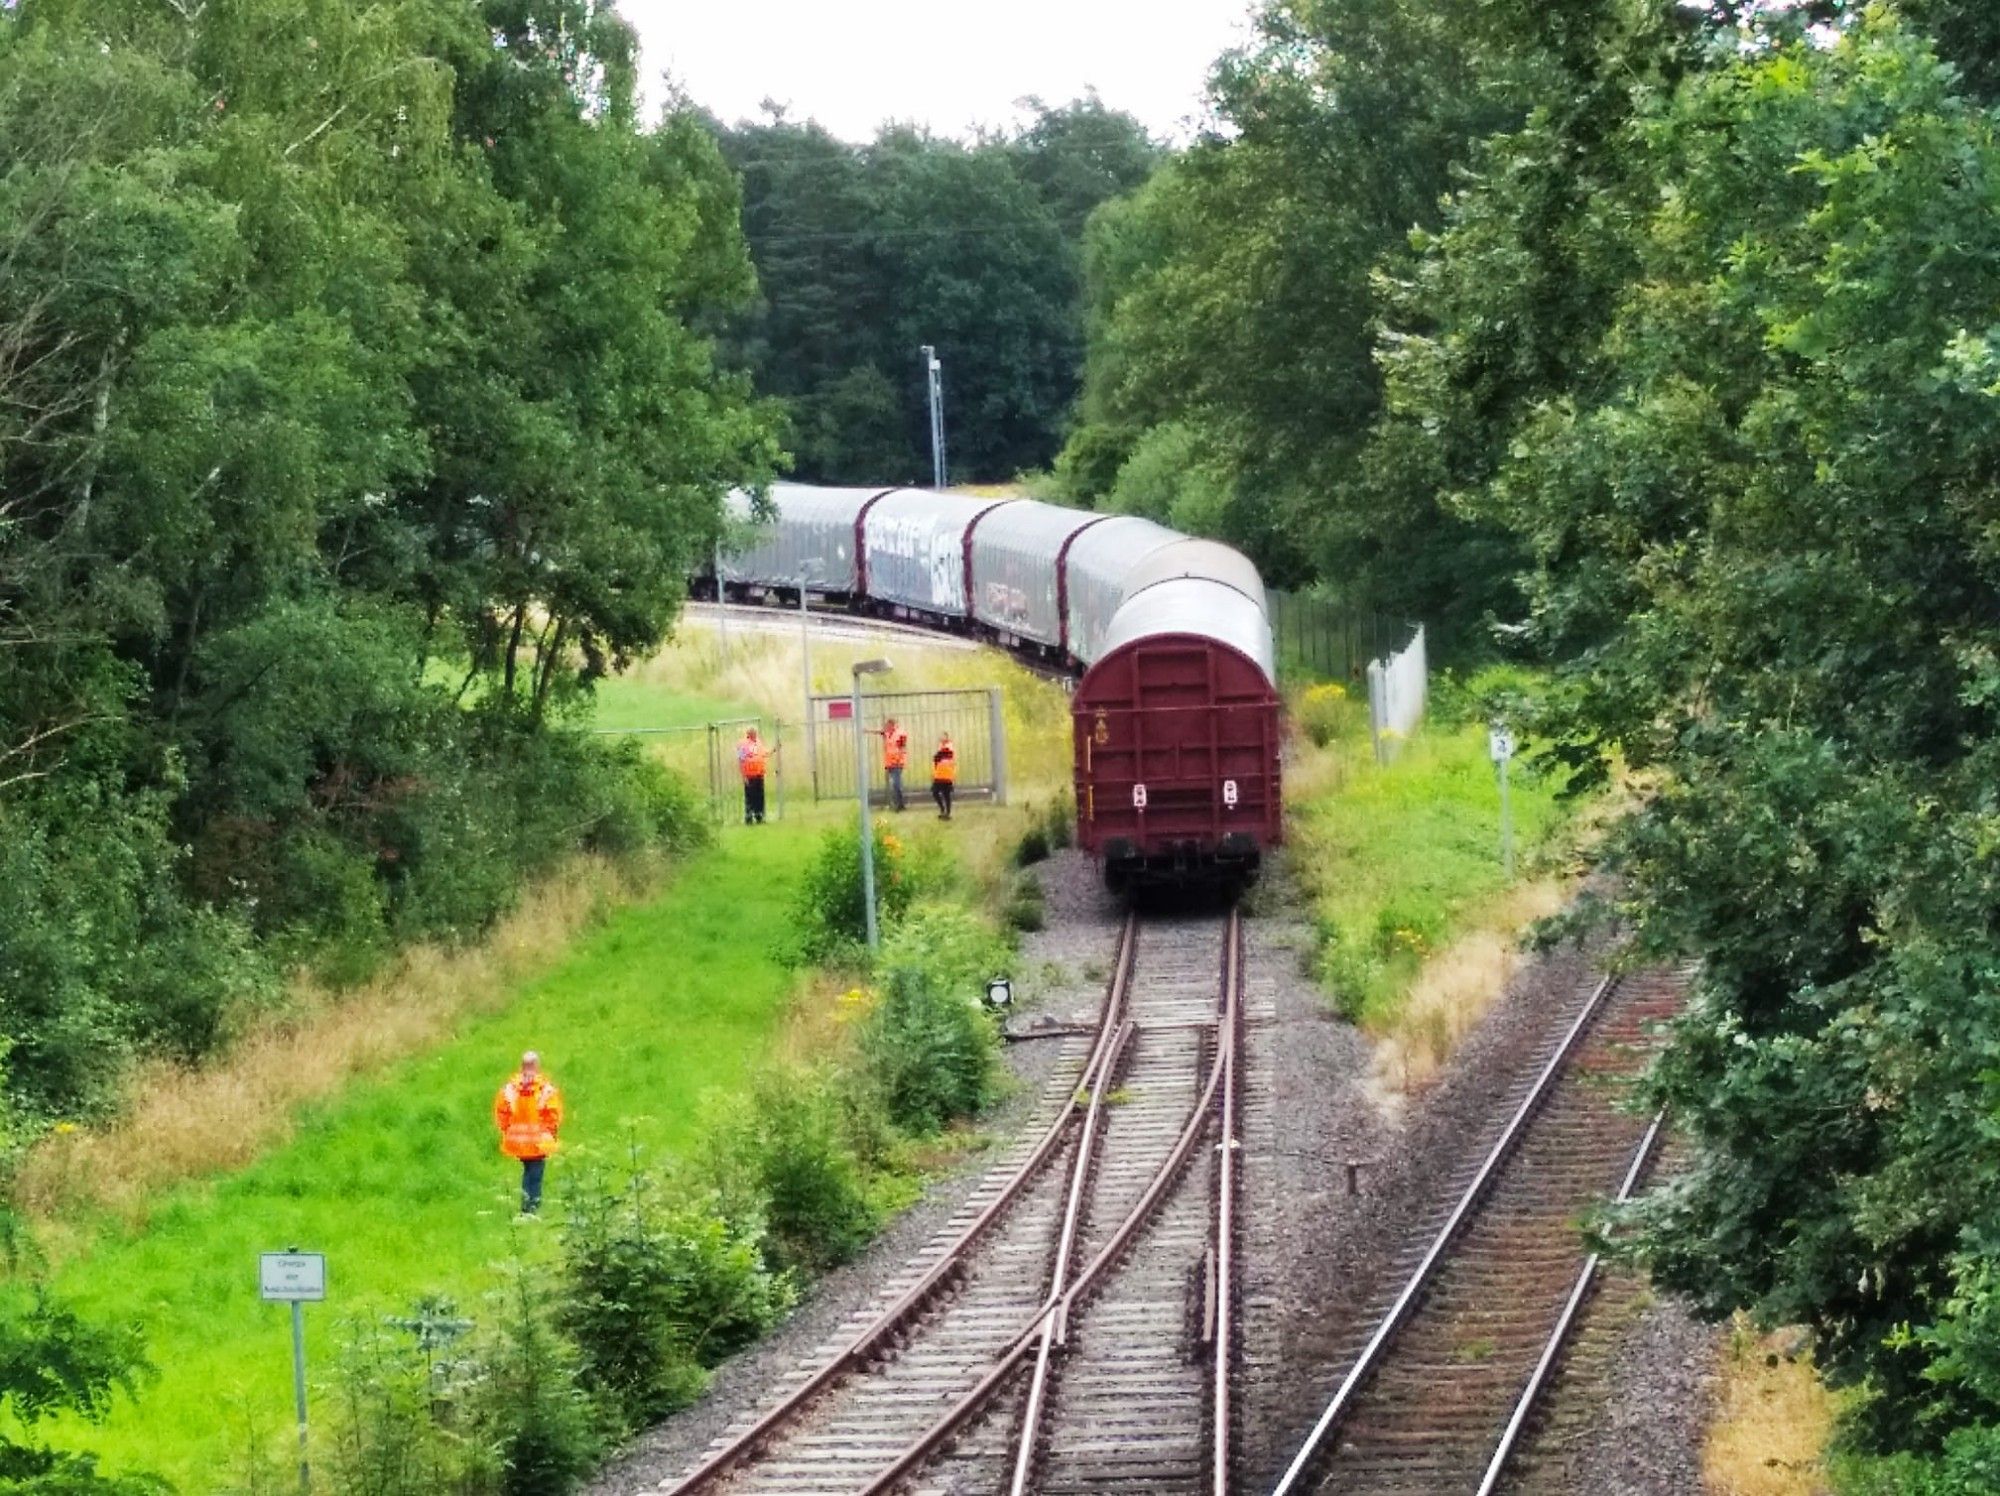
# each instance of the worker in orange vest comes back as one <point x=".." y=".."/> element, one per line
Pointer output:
<point x="895" y="753"/>
<point x="529" y="1113"/>
<point x="751" y="756"/>
<point x="944" y="774"/>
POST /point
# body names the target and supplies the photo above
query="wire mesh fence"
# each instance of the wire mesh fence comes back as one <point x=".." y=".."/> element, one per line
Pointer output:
<point x="1315" y="634"/>
<point x="971" y="717"/>
<point x="704" y="754"/>
<point x="819" y="763"/>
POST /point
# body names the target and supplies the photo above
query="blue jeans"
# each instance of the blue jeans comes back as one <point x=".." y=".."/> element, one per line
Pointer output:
<point x="531" y="1184"/>
<point x="895" y="786"/>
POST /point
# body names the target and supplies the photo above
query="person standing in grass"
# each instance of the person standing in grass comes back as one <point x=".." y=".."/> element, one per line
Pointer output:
<point x="944" y="775"/>
<point x="529" y="1113"/>
<point x="750" y="759"/>
<point x="895" y="753"/>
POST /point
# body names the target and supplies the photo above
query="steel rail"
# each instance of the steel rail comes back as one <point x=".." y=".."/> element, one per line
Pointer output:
<point x="1406" y="1302"/>
<point x="1225" y="1231"/>
<point x="1008" y="1361"/>
<point x="1059" y="1270"/>
<point x="1558" y="1337"/>
<point x="891" y="1320"/>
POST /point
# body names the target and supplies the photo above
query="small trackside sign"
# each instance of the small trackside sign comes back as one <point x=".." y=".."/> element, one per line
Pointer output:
<point x="1500" y="745"/>
<point x="297" y="1277"/>
<point x="1138" y="797"/>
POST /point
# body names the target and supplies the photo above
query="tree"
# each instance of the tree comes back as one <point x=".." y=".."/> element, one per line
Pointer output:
<point x="1759" y="502"/>
<point x="53" y="1363"/>
<point x="339" y="348"/>
<point x="1235" y="296"/>
<point x="866" y="254"/>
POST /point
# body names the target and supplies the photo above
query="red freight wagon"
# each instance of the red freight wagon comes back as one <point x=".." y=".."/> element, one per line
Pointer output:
<point x="1177" y="740"/>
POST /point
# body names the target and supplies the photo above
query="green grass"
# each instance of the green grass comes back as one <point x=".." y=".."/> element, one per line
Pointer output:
<point x="401" y="1182"/>
<point x="628" y="701"/>
<point x="1395" y="857"/>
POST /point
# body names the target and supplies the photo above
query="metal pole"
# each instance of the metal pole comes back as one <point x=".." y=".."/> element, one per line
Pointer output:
<point x="996" y="731"/>
<point x="778" y="760"/>
<point x="934" y="389"/>
<point x="299" y="1392"/>
<point x="806" y="657"/>
<point x="1377" y="706"/>
<point x="721" y="606"/>
<point x="1506" y="827"/>
<point x="867" y="831"/>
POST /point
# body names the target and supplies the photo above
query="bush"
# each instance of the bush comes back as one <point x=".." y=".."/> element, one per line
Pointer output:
<point x="654" y="1295"/>
<point x="1049" y="829"/>
<point x="55" y="1366"/>
<point x="1025" y="909"/>
<point x="789" y="1151"/>
<point x="1969" y="1466"/>
<point x="1511" y="692"/>
<point x="930" y="1053"/>
<point x="1060" y="822"/>
<point x="546" y="1430"/>
<point x="101" y="953"/>
<point x="402" y="1421"/>
<point x="448" y="1407"/>
<point x="1325" y="712"/>
<point x="831" y="917"/>
<point x="947" y="944"/>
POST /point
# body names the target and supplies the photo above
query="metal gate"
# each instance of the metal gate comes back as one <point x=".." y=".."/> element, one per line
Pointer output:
<point x="972" y="717"/>
<point x="705" y="755"/>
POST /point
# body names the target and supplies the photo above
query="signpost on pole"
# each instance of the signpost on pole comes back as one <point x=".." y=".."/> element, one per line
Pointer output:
<point x="296" y="1278"/>
<point x="1500" y="745"/>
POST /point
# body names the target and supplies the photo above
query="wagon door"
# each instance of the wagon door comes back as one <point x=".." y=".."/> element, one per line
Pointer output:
<point x="1174" y="749"/>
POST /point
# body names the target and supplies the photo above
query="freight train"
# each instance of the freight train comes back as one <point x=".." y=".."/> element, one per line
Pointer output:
<point x="1175" y="714"/>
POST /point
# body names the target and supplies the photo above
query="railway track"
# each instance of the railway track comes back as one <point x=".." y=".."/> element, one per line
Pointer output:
<point x="1071" y="1329"/>
<point x="769" y="618"/>
<point x="1450" y="1379"/>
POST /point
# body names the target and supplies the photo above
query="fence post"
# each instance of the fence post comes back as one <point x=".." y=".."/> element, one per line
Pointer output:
<point x="996" y="735"/>
<point x="1377" y="705"/>
<point x="715" y="781"/>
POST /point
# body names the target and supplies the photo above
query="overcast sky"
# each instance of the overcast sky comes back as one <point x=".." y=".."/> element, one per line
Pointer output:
<point x="949" y="64"/>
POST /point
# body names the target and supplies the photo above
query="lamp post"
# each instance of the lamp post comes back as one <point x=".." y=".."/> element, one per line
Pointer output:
<point x="808" y="573"/>
<point x="934" y="387"/>
<point x="861" y="668"/>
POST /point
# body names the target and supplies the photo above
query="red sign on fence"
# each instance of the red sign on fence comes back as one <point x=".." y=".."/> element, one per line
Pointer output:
<point x="840" y="711"/>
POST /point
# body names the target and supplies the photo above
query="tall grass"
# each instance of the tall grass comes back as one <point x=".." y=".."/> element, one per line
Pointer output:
<point x="180" y="1123"/>
<point x="1414" y="916"/>
<point x="1772" y="1423"/>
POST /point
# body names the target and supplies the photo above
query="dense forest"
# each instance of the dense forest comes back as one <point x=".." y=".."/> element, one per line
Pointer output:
<point x="865" y="254"/>
<point x="353" y="416"/>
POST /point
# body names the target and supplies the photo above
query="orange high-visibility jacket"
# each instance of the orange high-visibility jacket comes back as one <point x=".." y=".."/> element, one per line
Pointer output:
<point x="944" y="765"/>
<point x="750" y="759"/>
<point x="895" y="749"/>
<point x="528" y="1114"/>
